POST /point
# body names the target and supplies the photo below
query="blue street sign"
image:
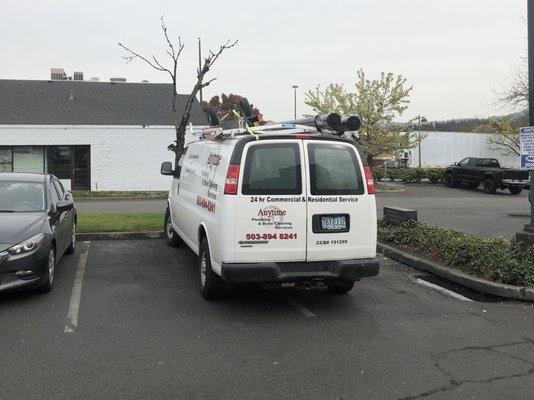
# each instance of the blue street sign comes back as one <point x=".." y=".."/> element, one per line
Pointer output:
<point x="526" y="136"/>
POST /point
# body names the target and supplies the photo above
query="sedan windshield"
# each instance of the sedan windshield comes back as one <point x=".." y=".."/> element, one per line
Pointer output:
<point x="21" y="196"/>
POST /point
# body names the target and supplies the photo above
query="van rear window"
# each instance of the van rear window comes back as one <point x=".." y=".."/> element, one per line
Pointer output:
<point x="272" y="169"/>
<point x="334" y="170"/>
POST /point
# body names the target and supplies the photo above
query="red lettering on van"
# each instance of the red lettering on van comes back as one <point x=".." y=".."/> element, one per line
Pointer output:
<point x="207" y="204"/>
<point x="271" y="212"/>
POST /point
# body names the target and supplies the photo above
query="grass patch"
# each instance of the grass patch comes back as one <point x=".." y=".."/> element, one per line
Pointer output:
<point x="104" y="194"/>
<point x="494" y="259"/>
<point x="119" y="222"/>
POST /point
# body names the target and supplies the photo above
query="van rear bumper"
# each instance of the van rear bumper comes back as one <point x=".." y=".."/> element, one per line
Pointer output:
<point x="295" y="271"/>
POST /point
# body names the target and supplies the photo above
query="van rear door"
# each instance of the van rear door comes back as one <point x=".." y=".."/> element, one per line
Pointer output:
<point x="271" y="204"/>
<point x="341" y="214"/>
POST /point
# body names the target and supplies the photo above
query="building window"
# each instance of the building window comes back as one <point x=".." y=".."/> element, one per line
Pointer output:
<point x="6" y="159"/>
<point x="71" y="163"/>
<point x="59" y="161"/>
<point x="28" y="159"/>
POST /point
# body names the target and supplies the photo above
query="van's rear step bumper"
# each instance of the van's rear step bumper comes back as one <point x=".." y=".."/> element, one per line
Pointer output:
<point x="295" y="271"/>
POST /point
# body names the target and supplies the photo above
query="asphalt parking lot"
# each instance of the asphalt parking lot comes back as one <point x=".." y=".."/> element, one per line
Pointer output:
<point x="125" y="321"/>
<point x="462" y="209"/>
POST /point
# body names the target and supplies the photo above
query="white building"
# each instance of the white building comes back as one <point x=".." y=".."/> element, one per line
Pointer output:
<point x="440" y="149"/>
<point x="92" y="135"/>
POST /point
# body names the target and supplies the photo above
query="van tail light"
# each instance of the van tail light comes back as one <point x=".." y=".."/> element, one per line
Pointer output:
<point x="232" y="180"/>
<point x="370" y="181"/>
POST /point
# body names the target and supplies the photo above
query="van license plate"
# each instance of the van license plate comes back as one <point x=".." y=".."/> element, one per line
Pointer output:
<point x="331" y="223"/>
<point x="337" y="223"/>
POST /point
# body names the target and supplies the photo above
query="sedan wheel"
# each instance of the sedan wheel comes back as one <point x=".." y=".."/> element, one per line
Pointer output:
<point x="51" y="267"/>
<point x="50" y="272"/>
<point x="72" y="247"/>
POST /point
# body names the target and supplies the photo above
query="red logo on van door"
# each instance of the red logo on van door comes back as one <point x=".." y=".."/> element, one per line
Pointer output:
<point x="214" y="159"/>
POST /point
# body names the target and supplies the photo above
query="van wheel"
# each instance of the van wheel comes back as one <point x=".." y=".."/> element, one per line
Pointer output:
<point x="515" y="189"/>
<point x="173" y="239"/>
<point x="490" y="187"/>
<point x="211" y="284"/>
<point x="342" y="288"/>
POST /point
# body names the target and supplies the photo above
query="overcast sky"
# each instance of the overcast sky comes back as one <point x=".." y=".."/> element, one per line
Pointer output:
<point x="453" y="52"/>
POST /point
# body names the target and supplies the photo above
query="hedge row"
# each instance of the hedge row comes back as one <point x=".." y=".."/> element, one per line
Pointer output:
<point x="494" y="259"/>
<point x="409" y="175"/>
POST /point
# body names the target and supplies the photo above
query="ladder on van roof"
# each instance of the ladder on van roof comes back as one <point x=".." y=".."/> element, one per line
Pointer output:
<point x="327" y="123"/>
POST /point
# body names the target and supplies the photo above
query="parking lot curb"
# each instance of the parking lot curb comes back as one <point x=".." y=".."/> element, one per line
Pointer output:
<point x="457" y="276"/>
<point x="119" y="235"/>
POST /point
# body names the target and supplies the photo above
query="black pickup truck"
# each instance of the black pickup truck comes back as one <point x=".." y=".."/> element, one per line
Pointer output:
<point x="474" y="171"/>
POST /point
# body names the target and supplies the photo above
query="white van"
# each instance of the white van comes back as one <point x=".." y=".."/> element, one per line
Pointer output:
<point x="286" y="207"/>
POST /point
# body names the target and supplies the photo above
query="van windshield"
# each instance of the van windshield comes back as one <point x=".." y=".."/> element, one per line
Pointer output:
<point x="334" y="170"/>
<point x="272" y="169"/>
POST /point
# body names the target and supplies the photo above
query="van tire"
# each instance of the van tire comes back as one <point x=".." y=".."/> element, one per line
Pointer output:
<point x="211" y="284"/>
<point x="172" y="237"/>
<point x="342" y="288"/>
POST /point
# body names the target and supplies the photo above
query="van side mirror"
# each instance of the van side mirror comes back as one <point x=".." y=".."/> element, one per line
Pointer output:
<point x="166" y="168"/>
<point x="64" y="205"/>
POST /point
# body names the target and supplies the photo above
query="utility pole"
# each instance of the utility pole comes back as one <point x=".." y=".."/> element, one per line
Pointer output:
<point x="295" y="87"/>
<point x="200" y="64"/>
<point x="420" y="119"/>
<point x="530" y="15"/>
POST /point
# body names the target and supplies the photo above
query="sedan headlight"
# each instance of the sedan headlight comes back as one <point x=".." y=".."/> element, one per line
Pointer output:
<point x="28" y="245"/>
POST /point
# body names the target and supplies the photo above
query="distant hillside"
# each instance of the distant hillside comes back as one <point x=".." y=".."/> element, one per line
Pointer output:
<point x="472" y="124"/>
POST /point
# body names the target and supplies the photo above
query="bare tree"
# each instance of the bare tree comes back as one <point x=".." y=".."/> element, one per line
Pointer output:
<point x="174" y="50"/>
<point x="505" y="130"/>
<point x="514" y="92"/>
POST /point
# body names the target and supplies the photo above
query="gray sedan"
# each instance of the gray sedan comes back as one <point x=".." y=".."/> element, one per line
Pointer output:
<point x="37" y="226"/>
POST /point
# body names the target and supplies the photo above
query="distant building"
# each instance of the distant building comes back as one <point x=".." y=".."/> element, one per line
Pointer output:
<point x="58" y="74"/>
<point x="77" y="76"/>
<point x="91" y="135"/>
<point x="439" y="149"/>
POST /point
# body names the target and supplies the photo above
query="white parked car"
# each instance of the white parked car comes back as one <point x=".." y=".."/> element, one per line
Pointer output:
<point x="287" y="207"/>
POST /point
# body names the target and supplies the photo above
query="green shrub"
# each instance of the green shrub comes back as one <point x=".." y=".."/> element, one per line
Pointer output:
<point x="435" y="175"/>
<point x="378" y="174"/>
<point x="408" y="175"/>
<point x="495" y="259"/>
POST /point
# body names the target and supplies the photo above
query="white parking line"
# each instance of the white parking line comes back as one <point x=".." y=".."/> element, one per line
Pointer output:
<point x="442" y="290"/>
<point x="297" y="305"/>
<point x="74" y="306"/>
